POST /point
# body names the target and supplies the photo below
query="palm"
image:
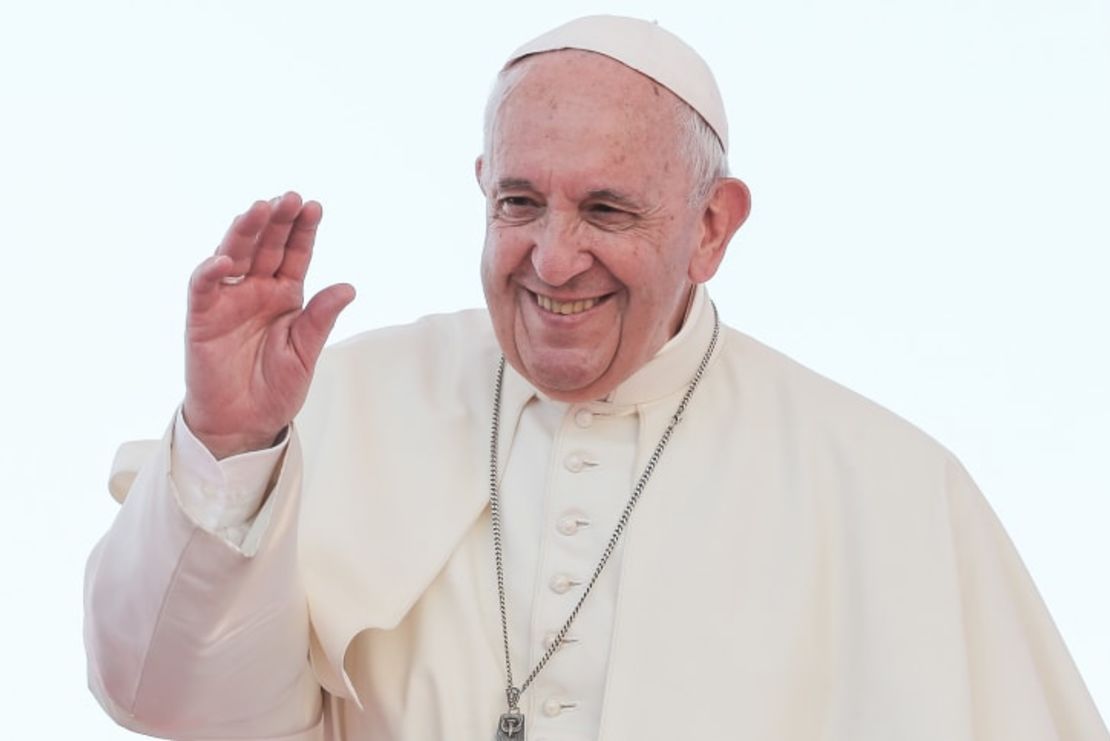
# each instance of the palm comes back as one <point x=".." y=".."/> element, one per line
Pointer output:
<point x="252" y="345"/>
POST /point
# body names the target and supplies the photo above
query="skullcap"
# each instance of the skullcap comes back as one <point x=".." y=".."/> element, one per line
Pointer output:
<point x="646" y="48"/>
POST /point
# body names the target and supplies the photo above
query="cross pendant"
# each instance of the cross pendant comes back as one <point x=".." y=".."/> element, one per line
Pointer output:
<point x="511" y="726"/>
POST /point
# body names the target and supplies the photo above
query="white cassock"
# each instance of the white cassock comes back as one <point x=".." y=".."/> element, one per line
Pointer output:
<point x="803" y="565"/>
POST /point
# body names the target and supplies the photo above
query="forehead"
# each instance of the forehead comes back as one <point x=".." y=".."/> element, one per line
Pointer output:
<point x="576" y="112"/>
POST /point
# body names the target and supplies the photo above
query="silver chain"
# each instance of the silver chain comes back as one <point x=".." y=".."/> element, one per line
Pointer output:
<point x="513" y="693"/>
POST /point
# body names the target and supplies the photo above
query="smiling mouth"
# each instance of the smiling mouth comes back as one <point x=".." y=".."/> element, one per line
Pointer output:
<point x="567" y="307"/>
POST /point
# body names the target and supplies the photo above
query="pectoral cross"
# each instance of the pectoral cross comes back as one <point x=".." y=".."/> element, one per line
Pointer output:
<point x="511" y="726"/>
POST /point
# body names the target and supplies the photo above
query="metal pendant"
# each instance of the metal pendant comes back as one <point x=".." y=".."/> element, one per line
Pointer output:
<point x="511" y="726"/>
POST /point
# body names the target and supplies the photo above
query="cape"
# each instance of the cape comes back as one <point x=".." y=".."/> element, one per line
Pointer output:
<point x="806" y="565"/>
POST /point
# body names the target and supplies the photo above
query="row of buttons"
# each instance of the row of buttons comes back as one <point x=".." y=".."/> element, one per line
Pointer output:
<point x="569" y="524"/>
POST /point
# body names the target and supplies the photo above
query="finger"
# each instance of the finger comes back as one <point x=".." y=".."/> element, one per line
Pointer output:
<point x="241" y="239"/>
<point x="298" y="248"/>
<point x="204" y="284"/>
<point x="271" y="242"/>
<point x="310" y="330"/>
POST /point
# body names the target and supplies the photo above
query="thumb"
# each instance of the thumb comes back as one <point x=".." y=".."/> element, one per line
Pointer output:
<point x="310" y="330"/>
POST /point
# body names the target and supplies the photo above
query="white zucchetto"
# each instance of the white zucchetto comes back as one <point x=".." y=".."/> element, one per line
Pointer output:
<point x="647" y="48"/>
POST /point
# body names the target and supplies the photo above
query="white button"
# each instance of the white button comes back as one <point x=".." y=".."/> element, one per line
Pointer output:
<point x="569" y="525"/>
<point x="561" y="584"/>
<point x="549" y="641"/>
<point x="574" y="462"/>
<point x="553" y="706"/>
<point x="584" y="418"/>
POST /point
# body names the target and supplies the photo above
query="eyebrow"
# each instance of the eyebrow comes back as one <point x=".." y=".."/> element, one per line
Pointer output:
<point x="602" y="194"/>
<point x="515" y="184"/>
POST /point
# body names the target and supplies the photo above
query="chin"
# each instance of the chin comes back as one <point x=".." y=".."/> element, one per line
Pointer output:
<point x="565" y="378"/>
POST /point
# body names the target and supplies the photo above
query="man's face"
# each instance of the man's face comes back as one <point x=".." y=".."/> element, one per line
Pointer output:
<point x="590" y="234"/>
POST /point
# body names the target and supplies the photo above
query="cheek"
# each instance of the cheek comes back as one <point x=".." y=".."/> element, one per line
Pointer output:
<point x="649" y="270"/>
<point x="502" y="255"/>
<point x="656" y="274"/>
<point x="501" y="258"/>
<point x="487" y="263"/>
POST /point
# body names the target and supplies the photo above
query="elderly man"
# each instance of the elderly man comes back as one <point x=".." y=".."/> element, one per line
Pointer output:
<point x="592" y="512"/>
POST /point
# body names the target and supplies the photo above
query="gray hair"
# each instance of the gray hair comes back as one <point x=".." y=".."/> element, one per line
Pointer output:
<point x="703" y="150"/>
<point x="700" y="146"/>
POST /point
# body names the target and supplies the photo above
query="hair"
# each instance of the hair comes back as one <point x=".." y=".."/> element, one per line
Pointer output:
<point x="700" y="145"/>
<point x="702" y="148"/>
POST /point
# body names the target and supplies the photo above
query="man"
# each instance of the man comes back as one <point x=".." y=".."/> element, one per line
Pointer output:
<point x="638" y="525"/>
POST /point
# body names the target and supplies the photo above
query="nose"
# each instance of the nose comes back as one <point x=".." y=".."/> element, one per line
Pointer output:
<point x="558" y="254"/>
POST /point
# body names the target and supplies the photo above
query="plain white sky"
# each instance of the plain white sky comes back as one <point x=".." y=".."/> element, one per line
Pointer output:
<point x="930" y="228"/>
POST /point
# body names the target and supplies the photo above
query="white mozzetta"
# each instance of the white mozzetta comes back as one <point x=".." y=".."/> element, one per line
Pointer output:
<point x="803" y="565"/>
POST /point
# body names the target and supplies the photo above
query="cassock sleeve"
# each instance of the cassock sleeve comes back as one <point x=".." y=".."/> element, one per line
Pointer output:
<point x="1024" y="684"/>
<point x="226" y="497"/>
<point x="189" y="637"/>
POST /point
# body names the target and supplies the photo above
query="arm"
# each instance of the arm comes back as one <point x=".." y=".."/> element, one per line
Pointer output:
<point x="187" y="634"/>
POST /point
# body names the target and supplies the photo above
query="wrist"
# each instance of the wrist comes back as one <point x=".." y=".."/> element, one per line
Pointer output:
<point x="226" y="445"/>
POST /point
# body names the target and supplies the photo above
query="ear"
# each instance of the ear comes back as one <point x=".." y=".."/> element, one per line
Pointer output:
<point x="727" y="208"/>
<point x="478" y="173"/>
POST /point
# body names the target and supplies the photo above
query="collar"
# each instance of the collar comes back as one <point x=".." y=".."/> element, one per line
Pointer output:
<point x="670" y="370"/>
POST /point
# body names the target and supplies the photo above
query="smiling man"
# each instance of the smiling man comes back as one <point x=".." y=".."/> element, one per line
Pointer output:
<point x="599" y="225"/>
<point x="592" y="511"/>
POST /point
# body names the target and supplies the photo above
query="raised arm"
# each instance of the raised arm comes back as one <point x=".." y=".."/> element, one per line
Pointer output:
<point x="187" y="636"/>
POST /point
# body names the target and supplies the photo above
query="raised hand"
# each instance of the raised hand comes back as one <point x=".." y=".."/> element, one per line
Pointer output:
<point x="251" y="343"/>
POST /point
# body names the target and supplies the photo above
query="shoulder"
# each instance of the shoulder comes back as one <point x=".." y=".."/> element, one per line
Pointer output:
<point x="437" y="335"/>
<point x="811" y="409"/>
<point x="430" y="346"/>
<point x="438" y="362"/>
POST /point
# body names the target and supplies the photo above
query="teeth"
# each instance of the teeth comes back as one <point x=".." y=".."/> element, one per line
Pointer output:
<point x="564" y="307"/>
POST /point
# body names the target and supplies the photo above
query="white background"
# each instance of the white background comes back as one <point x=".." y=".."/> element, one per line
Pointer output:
<point x="930" y="228"/>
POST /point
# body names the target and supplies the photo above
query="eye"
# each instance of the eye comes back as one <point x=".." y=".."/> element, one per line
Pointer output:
<point x="517" y="208"/>
<point x="608" y="215"/>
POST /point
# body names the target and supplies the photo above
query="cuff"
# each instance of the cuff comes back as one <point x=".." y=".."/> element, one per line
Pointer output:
<point x="222" y="497"/>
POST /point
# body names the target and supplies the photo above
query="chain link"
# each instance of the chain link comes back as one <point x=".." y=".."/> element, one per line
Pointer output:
<point x="513" y="693"/>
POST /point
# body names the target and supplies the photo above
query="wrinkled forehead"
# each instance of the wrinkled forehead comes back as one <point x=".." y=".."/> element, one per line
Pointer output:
<point x="588" y="121"/>
<point x="558" y="81"/>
